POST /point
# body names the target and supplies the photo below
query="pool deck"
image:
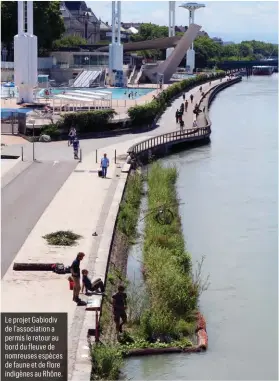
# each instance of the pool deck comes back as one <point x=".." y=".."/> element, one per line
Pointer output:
<point x="121" y="106"/>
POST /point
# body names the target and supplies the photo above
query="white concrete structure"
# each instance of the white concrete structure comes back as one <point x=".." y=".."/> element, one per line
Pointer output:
<point x="190" y="57"/>
<point x="25" y="53"/>
<point x="171" y="25"/>
<point x="115" y="48"/>
<point x="78" y="100"/>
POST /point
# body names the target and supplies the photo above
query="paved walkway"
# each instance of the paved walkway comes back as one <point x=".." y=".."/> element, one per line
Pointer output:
<point x="83" y="205"/>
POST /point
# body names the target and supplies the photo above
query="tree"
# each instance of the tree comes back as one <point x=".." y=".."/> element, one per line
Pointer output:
<point x="69" y="41"/>
<point x="206" y="49"/>
<point x="48" y="22"/>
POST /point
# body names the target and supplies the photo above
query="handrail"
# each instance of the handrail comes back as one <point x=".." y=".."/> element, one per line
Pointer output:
<point x="163" y="139"/>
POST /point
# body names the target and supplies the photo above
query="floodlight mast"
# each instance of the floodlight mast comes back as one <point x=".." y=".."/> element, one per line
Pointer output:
<point x="171" y="25"/>
<point x="190" y="57"/>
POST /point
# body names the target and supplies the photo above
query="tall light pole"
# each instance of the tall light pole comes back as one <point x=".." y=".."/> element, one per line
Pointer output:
<point x="116" y="48"/>
<point x="171" y="25"/>
<point x="190" y="57"/>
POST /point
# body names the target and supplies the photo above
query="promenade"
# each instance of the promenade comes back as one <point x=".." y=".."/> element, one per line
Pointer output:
<point x="55" y="194"/>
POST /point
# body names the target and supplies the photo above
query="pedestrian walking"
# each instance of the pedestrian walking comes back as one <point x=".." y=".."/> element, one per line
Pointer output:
<point x="119" y="303"/>
<point x="177" y="116"/>
<point x="192" y="98"/>
<point x="75" y="271"/>
<point x="182" y="108"/>
<point x="200" y="89"/>
<point x="186" y="105"/>
<point x="104" y="165"/>
<point x="183" y="96"/>
<point x="195" y="123"/>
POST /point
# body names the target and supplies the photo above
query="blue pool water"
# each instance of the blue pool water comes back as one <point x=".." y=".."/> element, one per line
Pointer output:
<point x="117" y="93"/>
<point x="6" y="112"/>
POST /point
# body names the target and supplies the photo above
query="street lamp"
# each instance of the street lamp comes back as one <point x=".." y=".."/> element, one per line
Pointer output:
<point x="32" y="121"/>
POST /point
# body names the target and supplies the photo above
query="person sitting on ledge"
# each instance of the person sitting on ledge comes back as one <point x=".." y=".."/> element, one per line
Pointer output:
<point x="95" y="287"/>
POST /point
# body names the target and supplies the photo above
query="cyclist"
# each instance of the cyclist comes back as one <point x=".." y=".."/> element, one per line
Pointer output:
<point x="72" y="135"/>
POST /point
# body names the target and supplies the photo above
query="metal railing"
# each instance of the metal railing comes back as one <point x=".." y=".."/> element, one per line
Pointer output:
<point x="171" y="137"/>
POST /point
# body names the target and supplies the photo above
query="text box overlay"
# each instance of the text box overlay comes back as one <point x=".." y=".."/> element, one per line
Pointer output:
<point x="34" y="346"/>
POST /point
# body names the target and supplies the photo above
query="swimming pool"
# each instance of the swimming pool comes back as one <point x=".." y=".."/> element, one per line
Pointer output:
<point x="117" y="93"/>
<point x="7" y="112"/>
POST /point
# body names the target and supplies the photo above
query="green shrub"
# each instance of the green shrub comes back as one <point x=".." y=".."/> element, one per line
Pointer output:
<point x="106" y="362"/>
<point x="129" y="208"/>
<point x="186" y="328"/>
<point x="89" y="121"/>
<point x="52" y="130"/>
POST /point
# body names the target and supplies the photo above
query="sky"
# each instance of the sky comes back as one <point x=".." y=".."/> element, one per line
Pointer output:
<point x="231" y="20"/>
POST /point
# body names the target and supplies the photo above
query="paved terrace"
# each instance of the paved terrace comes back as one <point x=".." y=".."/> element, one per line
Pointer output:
<point x="64" y="195"/>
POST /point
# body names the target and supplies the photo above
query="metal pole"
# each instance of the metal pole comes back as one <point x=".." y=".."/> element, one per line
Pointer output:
<point x="21" y="153"/>
<point x="33" y="141"/>
<point x="96" y="156"/>
<point x="80" y="155"/>
<point x="30" y="17"/>
<point x="115" y="156"/>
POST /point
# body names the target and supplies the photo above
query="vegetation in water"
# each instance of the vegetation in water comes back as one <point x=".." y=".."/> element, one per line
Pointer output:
<point x="62" y="238"/>
<point x="129" y="207"/>
<point x="172" y="288"/>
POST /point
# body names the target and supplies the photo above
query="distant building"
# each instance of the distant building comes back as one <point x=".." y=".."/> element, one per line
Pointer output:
<point x="218" y="40"/>
<point x="128" y="25"/>
<point x="80" y="21"/>
<point x="228" y="43"/>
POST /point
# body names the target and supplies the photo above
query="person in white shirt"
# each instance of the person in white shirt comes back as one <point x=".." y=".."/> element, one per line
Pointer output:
<point x="72" y="135"/>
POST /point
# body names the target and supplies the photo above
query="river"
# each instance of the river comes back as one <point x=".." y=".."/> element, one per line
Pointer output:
<point x="230" y="216"/>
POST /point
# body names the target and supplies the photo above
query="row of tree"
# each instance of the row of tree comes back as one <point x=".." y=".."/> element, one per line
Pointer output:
<point x="208" y="51"/>
<point x="48" y="23"/>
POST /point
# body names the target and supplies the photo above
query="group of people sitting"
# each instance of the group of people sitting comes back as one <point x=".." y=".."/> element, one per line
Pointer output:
<point x="97" y="287"/>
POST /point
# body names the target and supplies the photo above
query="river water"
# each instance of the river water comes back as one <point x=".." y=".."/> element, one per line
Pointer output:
<point x="230" y="216"/>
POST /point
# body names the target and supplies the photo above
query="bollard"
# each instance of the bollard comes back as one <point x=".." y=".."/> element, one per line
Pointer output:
<point x="96" y="156"/>
<point x="80" y="155"/>
<point x="21" y="153"/>
<point x="115" y="156"/>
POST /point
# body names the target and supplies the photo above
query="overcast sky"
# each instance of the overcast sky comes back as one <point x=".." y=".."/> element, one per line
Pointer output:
<point x="230" y="20"/>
